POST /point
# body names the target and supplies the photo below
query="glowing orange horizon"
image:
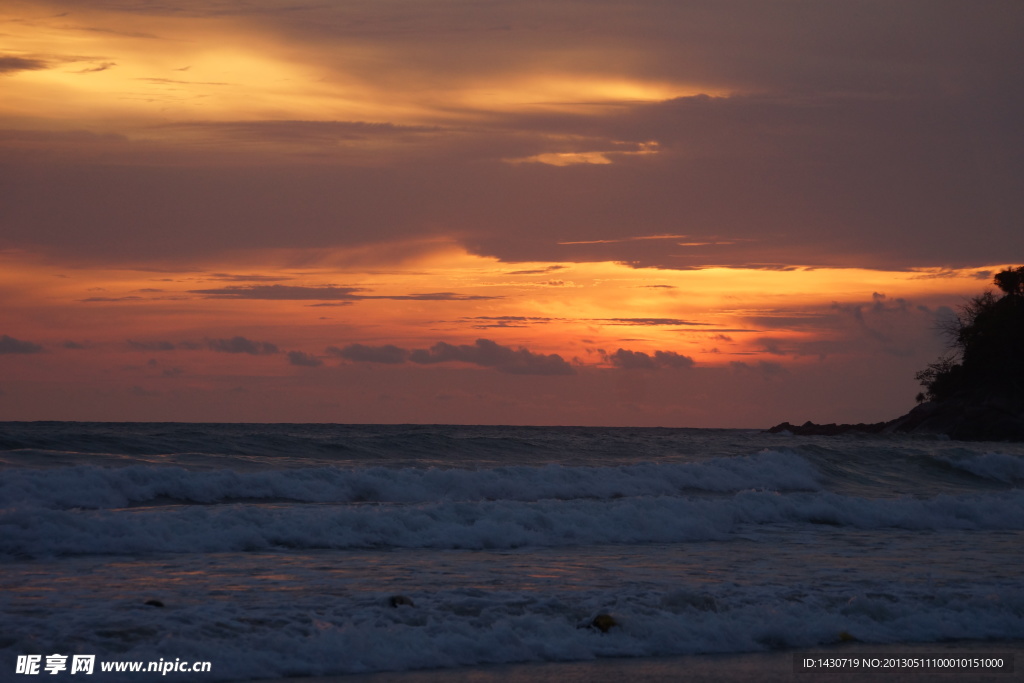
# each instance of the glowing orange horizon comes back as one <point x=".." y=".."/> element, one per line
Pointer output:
<point x="447" y="294"/>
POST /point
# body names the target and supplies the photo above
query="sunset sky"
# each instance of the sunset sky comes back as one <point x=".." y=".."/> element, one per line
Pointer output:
<point x="697" y="213"/>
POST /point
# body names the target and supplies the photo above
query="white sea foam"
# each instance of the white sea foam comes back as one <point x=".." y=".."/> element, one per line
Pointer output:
<point x="997" y="466"/>
<point x="480" y="524"/>
<point x="113" y="487"/>
<point x="275" y="548"/>
<point x="305" y="634"/>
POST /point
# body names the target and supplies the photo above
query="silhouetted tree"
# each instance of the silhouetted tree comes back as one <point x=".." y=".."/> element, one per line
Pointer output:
<point x="940" y="379"/>
<point x="1011" y="281"/>
<point x="988" y="339"/>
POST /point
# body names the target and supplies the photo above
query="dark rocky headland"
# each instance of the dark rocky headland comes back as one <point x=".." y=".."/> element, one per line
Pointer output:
<point x="976" y="393"/>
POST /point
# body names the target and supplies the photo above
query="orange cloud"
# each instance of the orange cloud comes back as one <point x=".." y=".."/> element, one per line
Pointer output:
<point x="447" y="293"/>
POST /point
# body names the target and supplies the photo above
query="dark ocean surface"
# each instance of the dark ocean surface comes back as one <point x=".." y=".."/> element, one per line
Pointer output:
<point x="274" y="550"/>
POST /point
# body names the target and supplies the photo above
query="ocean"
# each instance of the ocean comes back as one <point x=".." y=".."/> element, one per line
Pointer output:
<point x="294" y="550"/>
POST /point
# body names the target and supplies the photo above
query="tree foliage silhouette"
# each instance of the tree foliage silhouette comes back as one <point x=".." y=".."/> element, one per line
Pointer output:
<point x="987" y="355"/>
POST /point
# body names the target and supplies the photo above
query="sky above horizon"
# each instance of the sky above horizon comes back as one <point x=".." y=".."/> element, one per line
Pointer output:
<point x="653" y="213"/>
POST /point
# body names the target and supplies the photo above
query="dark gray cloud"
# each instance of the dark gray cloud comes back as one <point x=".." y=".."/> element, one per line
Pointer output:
<point x="792" y="320"/>
<point x="882" y="306"/>
<point x="129" y="34"/>
<point x="671" y="359"/>
<point x="434" y="296"/>
<point x="323" y="293"/>
<point x="647" y="321"/>
<point x="499" y="324"/>
<point x="482" y="322"/>
<point x="484" y="352"/>
<point x="872" y="165"/>
<point x="859" y="132"/>
<point x="631" y="360"/>
<point x="774" y="346"/>
<point x="893" y="326"/>
<point x="280" y="292"/>
<point x="12" y="64"/>
<point x="241" y="345"/>
<point x="536" y="271"/>
<point x="151" y="345"/>
<point x="253" y="277"/>
<point x="845" y="47"/>
<point x="878" y="319"/>
<point x="173" y="81"/>
<point x="99" y="67"/>
<point x="164" y="345"/>
<point x="490" y="354"/>
<point x="638" y="360"/>
<point x="12" y="345"/>
<point x="303" y="359"/>
<point x="306" y="132"/>
<point x="387" y="353"/>
<point x="60" y="137"/>
<point x="512" y="318"/>
<point x="108" y="299"/>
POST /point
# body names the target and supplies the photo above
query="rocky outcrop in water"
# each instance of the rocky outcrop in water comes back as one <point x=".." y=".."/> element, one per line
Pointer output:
<point x="967" y="418"/>
<point x="993" y="418"/>
<point x="976" y="393"/>
<point x="830" y="429"/>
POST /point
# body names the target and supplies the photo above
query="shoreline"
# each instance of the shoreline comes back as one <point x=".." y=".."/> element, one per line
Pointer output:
<point x="746" y="667"/>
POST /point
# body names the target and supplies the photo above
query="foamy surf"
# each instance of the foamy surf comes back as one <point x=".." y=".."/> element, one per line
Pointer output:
<point x="505" y="544"/>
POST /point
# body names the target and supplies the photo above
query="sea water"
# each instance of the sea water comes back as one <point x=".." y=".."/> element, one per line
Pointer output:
<point x="276" y="550"/>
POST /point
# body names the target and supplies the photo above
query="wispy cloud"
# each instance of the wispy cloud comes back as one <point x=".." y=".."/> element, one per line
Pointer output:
<point x="251" y="277"/>
<point x="620" y="240"/>
<point x="536" y="271"/>
<point x="11" y="64"/>
<point x="766" y="368"/>
<point x="648" y="321"/>
<point x="99" y="67"/>
<point x="433" y="296"/>
<point x="487" y="353"/>
<point x="638" y="360"/>
<point x="281" y="292"/>
<point x="388" y="354"/>
<point x="324" y="293"/>
<point x="498" y="321"/>
<point x="303" y="359"/>
<point x="242" y="345"/>
<point x="160" y="345"/>
<point x="297" y="131"/>
<point x="12" y="345"/>
<point x="484" y="352"/>
<point x="173" y="81"/>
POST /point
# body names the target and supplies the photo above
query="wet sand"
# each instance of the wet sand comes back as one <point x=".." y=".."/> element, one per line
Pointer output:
<point x="757" y="667"/>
